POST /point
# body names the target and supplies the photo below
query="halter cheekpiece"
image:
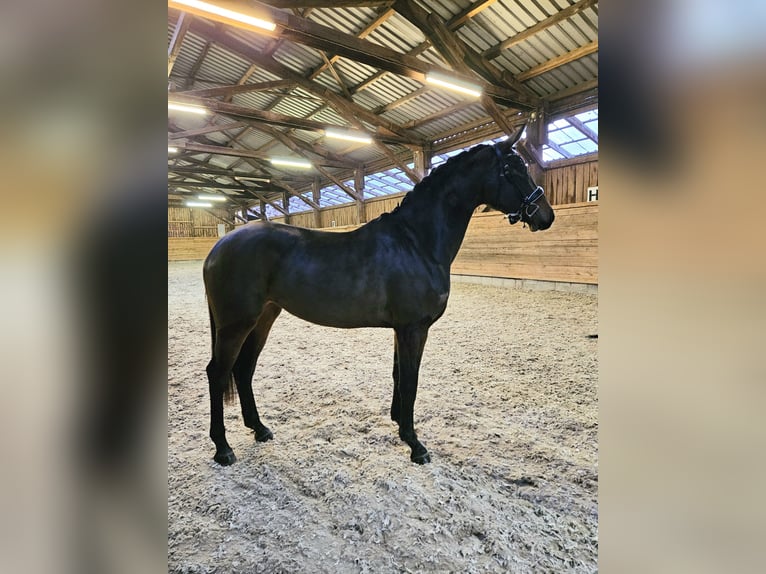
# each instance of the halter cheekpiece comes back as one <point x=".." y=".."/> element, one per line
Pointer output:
<point x="528" y="206"/>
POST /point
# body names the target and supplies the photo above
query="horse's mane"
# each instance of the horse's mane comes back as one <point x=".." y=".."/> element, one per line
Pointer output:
<point x="435" y="181"/>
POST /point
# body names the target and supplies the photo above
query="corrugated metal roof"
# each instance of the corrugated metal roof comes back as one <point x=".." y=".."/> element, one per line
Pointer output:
<point x="489" y="27"/>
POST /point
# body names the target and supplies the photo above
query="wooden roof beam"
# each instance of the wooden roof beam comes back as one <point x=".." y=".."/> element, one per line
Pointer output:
<point x="229" y="151"/>
<point x="294" y="4"/>
<point x="453" y="24"/>
<point x="207" y="130"/>
<point x="182" y="26"/>
<point x="560" y="16"/>
<point x="309" y="33"/>
<point x="273" y="118"/>
<point x="458" y="20"/>
<point x="302" y="148"/>
<point x="383" y="15"/>
<point x="237" y="89"/>
<point x="457" y="53"/>
<point x="386" y="130"/>
<point x="575" y="54"/>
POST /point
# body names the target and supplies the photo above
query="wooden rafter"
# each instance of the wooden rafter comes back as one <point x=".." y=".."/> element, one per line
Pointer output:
<point x="309" y="33"/>
<point x="295" y="4"/>
<point x="453" y="24"/>
<point x="268" y="117"/>
<point x="291" y="191"/>
<point x="302" y="148"/>
<point x="401" y="101"/>
<point x="383" y="15"/>
<point x="230" y="151"/>
<point x="238" y="89"/>
<point x="559" y="16"/>
<point x="182" y="25"/>
<point x="460" y="56"/>
<point x="349" y="191"/>
<point x="197" y="64"/>
<point x="207" y="130"/>
<point x="386" y="129"/>
<point x="583" y="90"/>
<point x="463" y="17"/>
<point x="440" y="114"/>
<point x="575" y="54"/>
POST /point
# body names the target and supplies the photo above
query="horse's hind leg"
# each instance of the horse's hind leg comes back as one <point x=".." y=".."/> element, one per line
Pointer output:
<point x="228" y="342"/>
<point x="244" y="368"/>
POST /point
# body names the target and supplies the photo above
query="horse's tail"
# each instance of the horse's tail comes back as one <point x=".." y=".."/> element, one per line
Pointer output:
<point x="230" y="389"/>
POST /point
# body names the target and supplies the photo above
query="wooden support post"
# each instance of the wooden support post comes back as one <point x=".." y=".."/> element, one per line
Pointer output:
<point x="286" y="206"/>
<point x="537" y="128"/>
<point x="263" y="210"/>
<point x="316" y="195"/>
<point x="359" y="187"/>
<point x="422" y="159"/>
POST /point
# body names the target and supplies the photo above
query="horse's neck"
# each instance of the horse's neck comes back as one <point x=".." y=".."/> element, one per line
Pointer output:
<point x="438" y="226"/>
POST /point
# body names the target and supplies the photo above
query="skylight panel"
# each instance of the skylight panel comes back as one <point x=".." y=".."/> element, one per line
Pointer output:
<point x="574" y="148"/>
<point x="550" y="154"/>
<point x="589" y="145"/>
<point x="558" y="137"/>
<point x="588" y="116"/>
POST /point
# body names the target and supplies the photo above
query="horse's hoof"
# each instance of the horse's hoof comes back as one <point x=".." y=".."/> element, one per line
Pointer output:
<point x="263" y="435"/>
<point x="420" y="458"/>
<point x="225" y="458"/>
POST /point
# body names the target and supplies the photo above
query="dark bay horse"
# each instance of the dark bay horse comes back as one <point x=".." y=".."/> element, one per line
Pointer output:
<point x="392" y="272"/>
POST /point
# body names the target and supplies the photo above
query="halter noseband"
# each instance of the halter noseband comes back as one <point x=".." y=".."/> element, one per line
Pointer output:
<point x="528" y="206"/>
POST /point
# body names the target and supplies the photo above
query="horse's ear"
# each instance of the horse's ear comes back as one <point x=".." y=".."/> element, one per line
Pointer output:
<point x="517" y="136"/>
<point x="507" y="146"/>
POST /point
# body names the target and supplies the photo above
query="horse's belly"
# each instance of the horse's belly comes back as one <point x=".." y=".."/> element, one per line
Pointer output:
<point x="344" y="315"/>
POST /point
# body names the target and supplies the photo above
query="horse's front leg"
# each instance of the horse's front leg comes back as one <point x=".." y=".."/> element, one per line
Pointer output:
<point x="410" y="342"/>
<point x="396" y="399"/>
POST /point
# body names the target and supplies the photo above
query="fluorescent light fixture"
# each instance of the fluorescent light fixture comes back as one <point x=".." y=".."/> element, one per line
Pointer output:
<point x="211" y="197"/>
<point x="187" y="108"/>
<point x="453" y="84"/>
<point x="172" y="149"/>
<point x="199" y="204"/>
<point x="301" y="163"/>
<point x="248" y="178"/>
<point x="205" y="8"/>
<point x="359" y="137"/>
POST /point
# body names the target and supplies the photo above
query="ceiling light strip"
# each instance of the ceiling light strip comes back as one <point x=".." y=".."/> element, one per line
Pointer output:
<point x="187" y="108"/>
<point x="436" y="79"/>
<point x="300" y="163"/>
<point x="220" y="13"/>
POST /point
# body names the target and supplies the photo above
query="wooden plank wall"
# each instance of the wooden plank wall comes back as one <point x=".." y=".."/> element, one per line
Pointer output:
<point x="192" y="222"/>
<point x="189" y="248"/>
<point x="568" y="251"/>
<point x="570" y="184"/>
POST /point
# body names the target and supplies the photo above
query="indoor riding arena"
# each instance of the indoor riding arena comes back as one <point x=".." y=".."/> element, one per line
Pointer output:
<point x="357" y="119"/>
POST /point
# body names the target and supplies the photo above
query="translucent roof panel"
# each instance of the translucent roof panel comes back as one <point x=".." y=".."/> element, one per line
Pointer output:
<point x="567" y="140"/>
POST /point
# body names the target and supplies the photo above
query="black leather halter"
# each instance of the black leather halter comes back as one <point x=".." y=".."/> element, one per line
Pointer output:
<point x="528" y="207"/>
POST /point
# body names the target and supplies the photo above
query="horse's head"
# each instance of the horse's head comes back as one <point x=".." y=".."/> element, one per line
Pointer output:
<point x="516" y="194"/>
